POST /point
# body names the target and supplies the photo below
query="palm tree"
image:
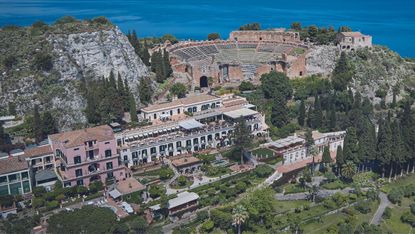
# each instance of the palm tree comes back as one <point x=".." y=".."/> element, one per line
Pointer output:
<point x="348" y="170"/>
<point x="313" y="192"/>
<point x="240" y="215"/>
<point x="313" y="151"/>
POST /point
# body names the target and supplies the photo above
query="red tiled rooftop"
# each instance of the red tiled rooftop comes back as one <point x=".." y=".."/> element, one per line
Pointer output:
<point x="38" y="151"/>
<point x="79" y="137"/>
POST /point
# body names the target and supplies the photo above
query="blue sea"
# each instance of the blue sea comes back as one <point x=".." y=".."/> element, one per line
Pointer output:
<point x="391" y="23"/>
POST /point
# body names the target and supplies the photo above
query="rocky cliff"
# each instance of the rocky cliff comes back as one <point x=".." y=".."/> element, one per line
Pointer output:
<point x="375" y="69"/>
<point x="46" y="65"/>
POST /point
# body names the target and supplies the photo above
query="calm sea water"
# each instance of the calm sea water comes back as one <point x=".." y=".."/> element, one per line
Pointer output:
<point x="392" y="23"/>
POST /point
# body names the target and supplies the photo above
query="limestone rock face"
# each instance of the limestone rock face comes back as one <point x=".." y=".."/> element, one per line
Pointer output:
<point x="321" y="60"/>
<point x="81" y="55"/>
<point x="96" y="54"/>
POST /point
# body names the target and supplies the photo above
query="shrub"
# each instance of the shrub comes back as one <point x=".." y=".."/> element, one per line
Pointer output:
<point x="52" y="205"/>
<point x="43" y="62"/>
<point x="387" y="213"/>
<point x="65" y="20"/>
<point x="395" y="195"/>
<point x="363" y="207"/>
<point x="101" y="20"/>
<point x="156" y="191"/>
<point x="208" y="226"/>
<point x="263" y="171"/>
<point x="213" y="36"/>
<point x="39" y="191"/>
<point x="246" y="85"/>
<point x="9" y="61"/>
<point x="202" y="215"/>
<point x="409" y="218"/>
<point x="412" y="208"/>
<point x="38" y="202"/>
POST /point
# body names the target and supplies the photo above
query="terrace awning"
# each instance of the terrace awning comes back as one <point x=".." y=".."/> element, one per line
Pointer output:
<point x="190" y="124"/>
<point x="115" y="194"/>
<point x="243" y="112"/>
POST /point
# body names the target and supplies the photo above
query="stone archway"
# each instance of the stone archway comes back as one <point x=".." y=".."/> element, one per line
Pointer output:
<point x="204" y="83"/>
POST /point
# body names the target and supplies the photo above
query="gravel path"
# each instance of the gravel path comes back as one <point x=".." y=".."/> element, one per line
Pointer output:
<point x="384" y="202"/>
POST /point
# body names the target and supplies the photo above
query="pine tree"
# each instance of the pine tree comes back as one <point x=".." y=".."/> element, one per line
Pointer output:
<point x="37" y="125"/>
<point x="49" y="125"/>
<point x="384" y="145"/>
<point x="351" y="147"/>
<point x="133" y="109"/>
<point x="301" y="113"/>
<point x="279" y="111"/>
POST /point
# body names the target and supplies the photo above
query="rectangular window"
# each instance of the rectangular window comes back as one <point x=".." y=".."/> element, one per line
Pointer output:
<point x="178" y="111"/>
<point x="77" y="159"/>
<point x="67" y="184"/>
<point x="26" y="187"/>
<point x="110" y="175"/>
<point x="107" y="143"/>
<point x="91" y="154"/>
<point x="78" y="172"/>
<point x="108" y="153"/>
<point x="153" y="150"/>
<point x="109" y="165"/>
<point x="25" y="175"/>
<point x="15" y="189"/>
<point x="3" y="179"/>
<point x="80" y="182"/>
<point x="4" y="190"/>
<point x="76" y="149"/>
<point x="13" y="177"/>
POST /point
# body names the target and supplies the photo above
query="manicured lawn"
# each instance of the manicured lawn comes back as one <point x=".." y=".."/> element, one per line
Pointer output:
<point x="284" y="206"/>
<point x="406" y="180"/>
<point x="334" y="219"/>
<point x="293" y="188"/>
<point x="394" y="224"/>
<point x="338" y="184"/>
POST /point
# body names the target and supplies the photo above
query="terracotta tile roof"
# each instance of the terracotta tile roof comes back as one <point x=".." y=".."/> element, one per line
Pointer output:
<point x="129" y="185"/>
<point x="79" y="137"/>
<point x="185" y="161"/>
<point x="12" y="164"/>
<point x="180" y="102"/>
<point x="352" y="34"/>
<point x="38" y="151"/>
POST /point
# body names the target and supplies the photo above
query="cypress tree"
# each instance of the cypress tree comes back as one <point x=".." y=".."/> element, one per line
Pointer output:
<point x="309" y="117"/>
<point x="301" y="113"/>
<point x="342" y="73"/>
<point x="317" y="117"/>
<point x="166" y="61"/>
<point x="2" y="135"/>
<point x="351" y="147"/>
<point x="12" y="108"/>
<point x="49" y="124"/>
<point x="384" y="145"/>
<point x="145" y="56"/>
<point x="145" y="91"/>
<point x="367" y="143"/>
<point x="339" y="159"/>
<point x="398" y="154"/>
<point x="279" y="111"/>
<point x="112" y="82"/>
<point x="37" y="125"/>
<point x="326" y="159"/>
<point x="332" y="119"/>
<point x="133" y="109"/>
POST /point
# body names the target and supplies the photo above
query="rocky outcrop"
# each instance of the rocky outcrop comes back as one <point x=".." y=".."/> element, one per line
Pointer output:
<point x="321" y="60"/>
<point x="96" y="54"/>
<point x="89" y="54"/>
<point x="376" y="68"/>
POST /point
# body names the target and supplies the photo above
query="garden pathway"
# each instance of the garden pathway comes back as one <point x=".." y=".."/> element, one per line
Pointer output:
<point x="303" y="196"/>
<point x="384" y="202"/>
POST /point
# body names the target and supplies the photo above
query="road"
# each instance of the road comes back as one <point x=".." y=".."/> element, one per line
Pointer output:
<point x="384" y="202"/>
